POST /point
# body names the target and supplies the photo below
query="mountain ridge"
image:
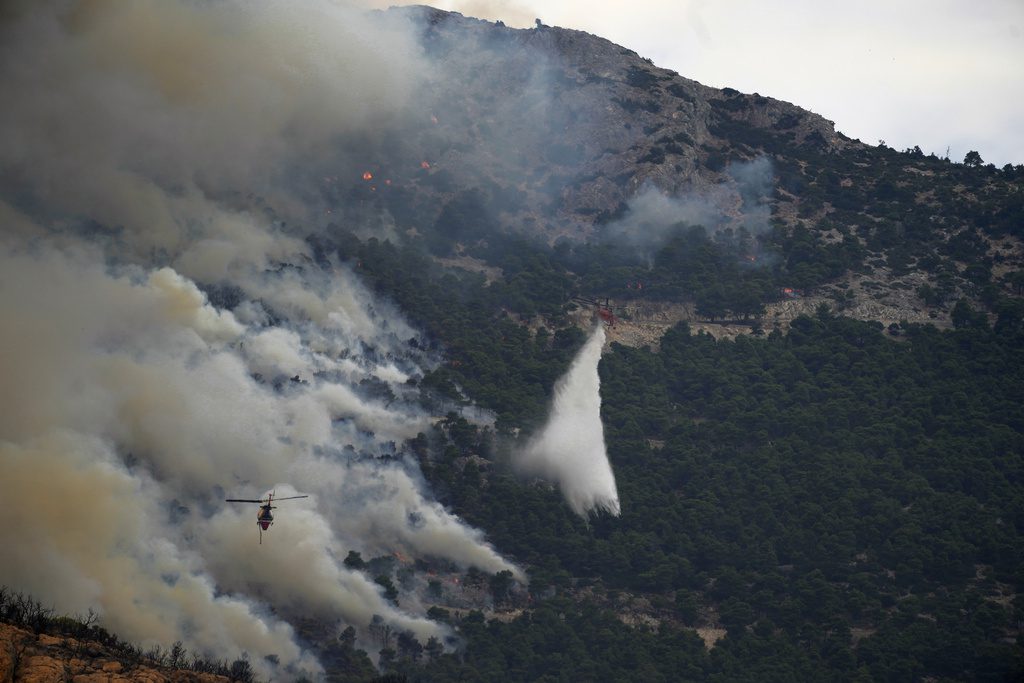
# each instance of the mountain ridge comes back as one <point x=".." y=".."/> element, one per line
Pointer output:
<point x="603" y="129"/>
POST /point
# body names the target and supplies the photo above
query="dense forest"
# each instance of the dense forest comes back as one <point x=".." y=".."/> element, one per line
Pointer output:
<point x="796" y="490"/>
<point x="844" y="504"/>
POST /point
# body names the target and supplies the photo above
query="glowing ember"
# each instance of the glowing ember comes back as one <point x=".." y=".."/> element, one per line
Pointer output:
<point x="424" y="164"/>
<point x="367" y="175"/>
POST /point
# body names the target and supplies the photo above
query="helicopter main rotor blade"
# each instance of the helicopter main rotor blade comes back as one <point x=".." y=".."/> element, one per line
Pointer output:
<point x="290" y="498"/>
<point x="242" y="500"/>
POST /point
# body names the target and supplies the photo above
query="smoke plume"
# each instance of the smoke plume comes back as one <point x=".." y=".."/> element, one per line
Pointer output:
<point x="151" y="152"/>
<point x="740" y="202"/>
<point x="570" y="450"/>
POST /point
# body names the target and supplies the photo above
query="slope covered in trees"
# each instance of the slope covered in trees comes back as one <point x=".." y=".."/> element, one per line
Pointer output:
<point x="845" y="504"/>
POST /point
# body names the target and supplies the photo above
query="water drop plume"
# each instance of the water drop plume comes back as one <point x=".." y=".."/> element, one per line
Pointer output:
<point x="570" y="450"/>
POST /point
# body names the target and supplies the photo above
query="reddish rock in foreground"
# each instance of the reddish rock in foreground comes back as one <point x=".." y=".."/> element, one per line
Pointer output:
<point x="29" y="658"/>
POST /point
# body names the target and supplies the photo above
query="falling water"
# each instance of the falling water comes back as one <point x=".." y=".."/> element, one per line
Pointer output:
<point x="570" y="450"/>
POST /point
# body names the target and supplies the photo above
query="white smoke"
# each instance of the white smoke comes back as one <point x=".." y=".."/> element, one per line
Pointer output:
<point x="124" y="397"/>
<point x="741" y="201"/>
<point x="145" y="149"/>
<point x="570" y="450"/>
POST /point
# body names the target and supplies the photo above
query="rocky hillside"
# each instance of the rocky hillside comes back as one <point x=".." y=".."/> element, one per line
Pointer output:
<point x="559" y="128"/>
<point x="559" y="135"/>
<point x="27" y="657"/>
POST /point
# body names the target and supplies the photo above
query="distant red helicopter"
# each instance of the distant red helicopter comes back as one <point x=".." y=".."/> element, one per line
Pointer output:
<point x="603" y="310"/>
<point x="264" y="518"/>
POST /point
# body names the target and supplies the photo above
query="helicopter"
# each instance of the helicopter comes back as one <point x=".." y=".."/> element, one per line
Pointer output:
<point x="603" y="310"/>
<point x="264" y="518"/>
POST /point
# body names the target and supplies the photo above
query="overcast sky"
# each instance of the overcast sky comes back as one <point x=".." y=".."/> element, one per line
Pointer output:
<point x="933" y="73"/>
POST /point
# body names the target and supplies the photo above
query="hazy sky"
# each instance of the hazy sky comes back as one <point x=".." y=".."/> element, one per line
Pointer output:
<point x="933" y="73"/>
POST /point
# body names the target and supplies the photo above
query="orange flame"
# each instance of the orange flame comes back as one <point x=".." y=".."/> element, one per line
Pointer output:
<point x="424" y="164"/>
<point x="433" y="119"/>
<point x="367" y="175"/>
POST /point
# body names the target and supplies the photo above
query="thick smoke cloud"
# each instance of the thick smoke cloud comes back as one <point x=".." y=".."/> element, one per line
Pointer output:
<point x="148" y="152"/>
<point x="570" y="450"/>
<point x="85" y="533"/>
<point x="126" y="397"/>
<point x="739" y="202"/>
<point x="136" y="115"/>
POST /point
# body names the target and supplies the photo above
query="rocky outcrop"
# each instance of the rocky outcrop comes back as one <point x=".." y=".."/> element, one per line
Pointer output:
<point x="29" y="658"/>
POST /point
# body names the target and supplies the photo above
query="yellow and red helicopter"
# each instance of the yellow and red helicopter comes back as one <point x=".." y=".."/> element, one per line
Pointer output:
<point x="264" y="518"/>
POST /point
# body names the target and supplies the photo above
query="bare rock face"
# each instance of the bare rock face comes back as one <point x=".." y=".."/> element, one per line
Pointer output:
<point x="555" y="129"/>
<point x="29" y="658"/>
